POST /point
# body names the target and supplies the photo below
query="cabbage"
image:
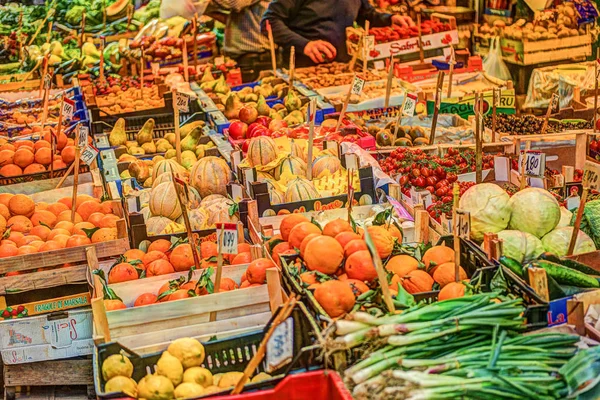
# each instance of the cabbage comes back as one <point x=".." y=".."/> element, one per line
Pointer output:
<point x="557" y="242"/>
<point x="534" y="211"/>
<point x="488" y="205"/>
<point x="521" y="246"/>
<point x="565" y="218"/>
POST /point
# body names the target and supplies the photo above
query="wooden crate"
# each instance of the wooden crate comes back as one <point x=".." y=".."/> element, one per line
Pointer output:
<point x="49" y="373"/>
<point x="42" y="291"/>
<point x="151" y="328"/>
<point x="535" y="52"/>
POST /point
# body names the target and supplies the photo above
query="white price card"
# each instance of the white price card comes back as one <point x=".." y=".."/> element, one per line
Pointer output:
<point x="227" y="235"/>
<point x="410" y="105"/>
<point x="82" y="136"/>
<point x="370" y="42"/>
<point x="357" y="85"/>
<point x="535" y="163"/>
<point x="63" y="333"/>
<point x="183" y="102"/>
<point x="88" y="155"/>
<point x="280" y="347"/>
<point x="420" y="197"/>
<point x="379" y="65"/>
<point x="47" y="81"/>
<point x="462" y="225"/>
<point x="591" y="175"/>
<point x="68" y="109"/>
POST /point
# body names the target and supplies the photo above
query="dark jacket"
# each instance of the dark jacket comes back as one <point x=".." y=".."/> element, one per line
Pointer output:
<point x="297" y="22"/>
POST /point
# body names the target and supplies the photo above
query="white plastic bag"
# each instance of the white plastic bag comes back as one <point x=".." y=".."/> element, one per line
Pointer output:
<point x="182" y="8"/>
<point x="493" y="63"/>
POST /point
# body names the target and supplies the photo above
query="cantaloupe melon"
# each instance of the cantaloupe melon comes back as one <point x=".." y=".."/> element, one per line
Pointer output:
<point x="261" y="151"/>
<point x="300" y="189"/>
<point x="163" y="201"/>
<point x="210" y="175"/>
<point x="290" y="165"/>
<point x="325" y="163"/>
<point x="166" y="166"/>
<point x="155" y="225"/>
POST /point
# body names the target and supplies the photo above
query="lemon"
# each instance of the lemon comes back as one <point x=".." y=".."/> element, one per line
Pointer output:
<point x="188" y="390"/>
<point x="230" y="379"/>
<point x="116" y="365"/>
<point x="262" y="376"/>
<point x="170" y="367"/>
<point x="121" y="384"/>
<point x="189" y="351"/>
<point x="198" y="375"/>
<point x="212" y="389"/>
<point x="156" y="387"/>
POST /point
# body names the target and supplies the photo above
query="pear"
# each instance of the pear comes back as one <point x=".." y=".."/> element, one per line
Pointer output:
<point x="208" y="86"/>
<point x="131" y="143"/>
<point x="200" y="150"/>
<point x="171" y="153"/>
<point x="145" y="134"/>
<point x="156" y="159"/>
<point x="262" y="107"/>
<point x="149" y="148"/>
<point x="188" y="154"/>
<point x="251" y="98"/>
<point x="299" y="115"/>
<point x="136" y="151"/>
<point x="232" y="107"/>
<point x="125" y="175"/>
<point x="245" y="90"/>
<point x="274" y="115"/>
<point x="283" y="113"/>
<point x="292" y="101"/>
<point x="207" y="76"/>
<point x="170" y="137"/>
<point x="117" y="136"/>
<point x="221" y="86"/>
<point x="163" y="147"/>
<point x="191" y="141"/>
<point x="187" y="128"/>
<point x="188" y="163"/>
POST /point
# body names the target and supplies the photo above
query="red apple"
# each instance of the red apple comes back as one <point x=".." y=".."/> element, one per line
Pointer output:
<point x="238" y="130"/>
<point x="252" y="128"/>
<point x="248" y="114"/>
<point x="264" y="120"/>
<point x="245" y="145"/>
<point x="277" y="124"/>
<point x="259" y="131"/>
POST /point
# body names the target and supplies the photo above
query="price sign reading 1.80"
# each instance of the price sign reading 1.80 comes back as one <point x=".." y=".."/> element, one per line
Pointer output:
<point x="535" y="163"/>
<point x="227" y="235"/>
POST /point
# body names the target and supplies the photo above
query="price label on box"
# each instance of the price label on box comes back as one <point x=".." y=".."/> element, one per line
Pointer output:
<point x="227" y="235"/>
<point x="88" y="155"/>
<point x="591" y="175"/>
<point x="68" y="109"/>
<point x="420" y="197"/>
<point x="370" y="42"/>
<point x="82" y="136"/>
<point x="280" y="347"/>
<point x="462" y="225"/>
<point x="535" y="163"/>
<point x="155" y="68"/>
<point x="183" y="102"/>
<point x="357" y="85"/>
<point x="410" y="105"/>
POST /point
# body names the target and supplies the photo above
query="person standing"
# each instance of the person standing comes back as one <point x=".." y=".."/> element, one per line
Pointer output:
<point x="317" y="28"/>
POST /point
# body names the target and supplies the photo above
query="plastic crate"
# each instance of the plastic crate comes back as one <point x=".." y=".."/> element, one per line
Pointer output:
<point x="222" y="356"/>
<point x="315" y="385"/>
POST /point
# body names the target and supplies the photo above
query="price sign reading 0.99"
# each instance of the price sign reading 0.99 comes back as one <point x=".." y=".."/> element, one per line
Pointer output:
<point x="68" y="109"/>
<point x="227" y="235"/>
<point x="88" y="154"/>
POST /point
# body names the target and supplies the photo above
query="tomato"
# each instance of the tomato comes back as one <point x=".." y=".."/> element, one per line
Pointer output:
<point x="451" y="177"/>
<point x="441" y="191"/>
<point x="431" y="180"/>
<point x="439" y="172"/>
<point x="419" y="182"/>
<point x="425" y="172"/>
<point x="403" y="180"/>
<point x="447" y="199"/>
<point x="431" y="189"/>
<point x="416" y="172"/>
<point x="594" y="145"/>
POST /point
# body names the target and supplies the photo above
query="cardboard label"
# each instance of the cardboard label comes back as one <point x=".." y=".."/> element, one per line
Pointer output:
<point x="535" y="163"/>
<point x="420" y="197"/>
<point x="47" y="81"/>
<point x="183" y="102"/>
<point x="462" y="227"/>
<point x="88" y="155"/>
<point x="228" y="238"/>
<point x="280" y="347"/>
<point x="464" y="106"/>
<point x="410" y="105"/>
<point x="155" y="67"/>
<point x="591" y="174"/>
<point x="68" y="109"/>
<point x="357" y="85"/>
<point x="82" y="136"/>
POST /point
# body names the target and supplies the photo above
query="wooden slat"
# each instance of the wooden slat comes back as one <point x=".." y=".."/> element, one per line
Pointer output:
<point x="63" y="372"/>
<point x="57" y="257"/>
<point x="43" y="279"/>
<point x="187" y="308"/>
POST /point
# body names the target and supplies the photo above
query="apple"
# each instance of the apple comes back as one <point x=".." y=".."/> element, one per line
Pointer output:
<point x="245" y="146"/>
<point x="248" y="114"/>
<point x="277" y="124"/>
<point x="253" y="126"/>
<point x="264" y="120"/>
<point x="260" y="131"/>
<point x="238" y="130"/>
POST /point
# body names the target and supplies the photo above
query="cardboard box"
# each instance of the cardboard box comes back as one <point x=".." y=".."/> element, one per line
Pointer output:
<point x="47" y="337"/>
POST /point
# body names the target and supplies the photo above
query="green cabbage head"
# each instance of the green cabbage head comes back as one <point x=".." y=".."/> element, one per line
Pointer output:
<point x="557" y="242"/>
<point x="521" y="246"/>
<point x="565" y="218"/>
<point x="535" y="211"/>
<point x="488" y="205"/>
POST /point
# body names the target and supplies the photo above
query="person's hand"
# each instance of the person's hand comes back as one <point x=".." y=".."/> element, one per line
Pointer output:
<point x="320" y="51"/>
<point x="402" y="20"/>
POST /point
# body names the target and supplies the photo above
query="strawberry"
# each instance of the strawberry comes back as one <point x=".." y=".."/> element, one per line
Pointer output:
<point x="14" y="312"/>
<point x="20" y="309"/>
<point x="5" y="314"/>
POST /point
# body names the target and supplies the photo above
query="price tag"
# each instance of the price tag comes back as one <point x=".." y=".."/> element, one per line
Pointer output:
<point x="462" y="225"/>
<point x="183" y="102"/>
<point x="219" y="61"/>
<point x="535" y="163"/>
<point x="82" y="136"/>
<point x="379" y="65"/>
<point x="155" y="67"/>
<point x="227" y="237"/>
<point x="370" y="42"/>
<point x="333" y="145"/>
<point x="68" y="109"/>
<point x="357" y="85"/>
<point x="236" y="159"/>
<point x="410" y="105"/>
<point x="62" y="333"/>
<point x="420" y="197"/>
<point x="47" y="81"/>
<point x="591" y="175"/>
<point x="280" y="347"/>
<point x="88" y="155"/>
<point x="237" y="192"/>
<point x="555" y="103"/>
<point x="351" y="161"/>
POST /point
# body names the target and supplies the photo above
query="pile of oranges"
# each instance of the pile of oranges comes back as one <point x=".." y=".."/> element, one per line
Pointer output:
<point x="27" y="227"/>
<point x="335" y="262"/>
<point x="162" y="257"/>
<point x="24" y="157"/>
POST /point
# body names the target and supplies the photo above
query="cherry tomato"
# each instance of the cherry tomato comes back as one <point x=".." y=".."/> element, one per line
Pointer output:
<point x="441" y="191"/>
<point x="416" y="172"/>
<point x="431" y="189"/>
<point x="419" y="182"/>
<point x="431" y="180"/>
<point x="425" y="172"/>
<point x="451" y="177"/>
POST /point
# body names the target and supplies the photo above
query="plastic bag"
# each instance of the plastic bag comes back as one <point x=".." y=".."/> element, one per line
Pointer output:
<point x="493" y="63"/>
<point x="182" y="8"/>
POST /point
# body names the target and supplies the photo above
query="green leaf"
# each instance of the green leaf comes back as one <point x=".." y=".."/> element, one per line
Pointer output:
<point x="274" y="243"/>
<point x="233" y="208"/>
<point x="382" y="217"/>
<point x="353" y="224"/>
<point x="403" y="298"/>
<point x="89" y="232"/>
<point x="314" y="222"/>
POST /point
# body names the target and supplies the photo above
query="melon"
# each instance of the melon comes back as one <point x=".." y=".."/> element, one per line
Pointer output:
<point x="194" y="198"/>
<point x="163" y="201"/>
<point x="261" y="151"/>
<point x="262" y="176"/>
<point x="276" y="197"/>
<point x="210" y="175"/>
<point x="162" y="178"/>
<point x="146" y="213"/>
<point x="156" y="225"/>
<point x="117" y="10"/>
<point x="212" y="199"/>
<point x="166" y="166"/>
<point x="219" y="213"/>
<point x="290" y="165"/>
<point x="198" y="219"/>
<point x="325" y="163"/>
<point x="300" y="189"/>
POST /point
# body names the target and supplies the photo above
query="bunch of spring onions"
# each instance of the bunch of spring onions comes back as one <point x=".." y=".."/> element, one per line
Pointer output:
<point x="467" y="348"/>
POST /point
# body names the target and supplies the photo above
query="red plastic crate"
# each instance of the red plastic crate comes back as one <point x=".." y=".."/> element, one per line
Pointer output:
<point x="315" y="385"/>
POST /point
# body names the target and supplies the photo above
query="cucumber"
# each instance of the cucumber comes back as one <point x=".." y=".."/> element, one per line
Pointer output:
<point x="576" y="265"/>
<point x="555" y="290"/>
<point x="549" y="257"/>
<point x="572" y="290"/>
<point x="512" y="264"/>
<point x="567" y="276"/>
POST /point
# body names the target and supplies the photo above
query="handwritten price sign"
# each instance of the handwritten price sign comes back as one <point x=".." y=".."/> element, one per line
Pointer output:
<point x="357" y="85"/>
<point x="280" y="347"/>
<point x="462" y="225"/>
<point x="535" y="163"/>
<point x="89" y="154"/>
<point x="183" y="102"/>
<point x="410" y="105"/>
<point x="82" y="136"/>
<point x="68" y="109"/>
<point x="591" y="175"/>
<point x="228" y="239"/>
<point x="47" y="81"/>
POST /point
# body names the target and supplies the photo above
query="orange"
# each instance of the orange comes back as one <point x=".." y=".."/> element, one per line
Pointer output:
<point x="152" y="256"/>
<point x="96" y="218"/>
<point x="66" y="225"/>
<point x="354" y="246"/>
<point x="10" y="170"/>
<point x="288" y="223"/>
<point x="121" y="273"/>
<point x="402" y="265"/>
<point x="6" y="157"/>
<point x="34" y="169"/>
<point x="43" y="156"/>
<point x="208" y="250"/>
<point x="437" y="255"/>
<point x="27" y="250"/>
<point x="68" y="154"/>
<point x="23" y="157"/>
<point x="333" y="228"/>
<point x="357" y="287"/>
<point x="300" y="231"/>
<point x="323" y="254"/>
<point x="280" y="249"/>
<point x="257" y="270"/>
<point x="87" y="208"/>
<point x="78" y="240"/>
<point x="181" y="257"/>
<point x="49" y="246"/>
<point x="25" y="240"/>
<point x="66" y="216"/>
<point x="61" y="239"/>
<point x="133" y="254"/>
<point x="112" y="305"/>
<point x="227" y="284"/>
<point x="41" y="144"/>
<point x="335" y="297"/>
<point x="19" y="223"/>
<point x="57" y="208"/>
<point x="145" y="299"/>
<point x="5" y="198"/>
<point x="104" y="235"/>
<point x="360" y="266"/>
<point x="305" y="241"/>
<point x="159" y="267"/>
<point x="109" y="221"/>
<point x="344" y="238"/>
<point x="43" y="217"/>
<point x="382" y="239"/>
<point x="8" y="250"/>
<point x="242" y="258"/>
<point x="162" y="245"/>
<point x="21" y="204"/>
